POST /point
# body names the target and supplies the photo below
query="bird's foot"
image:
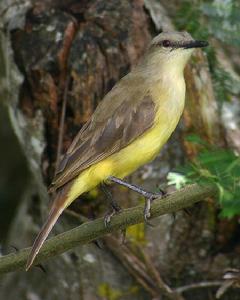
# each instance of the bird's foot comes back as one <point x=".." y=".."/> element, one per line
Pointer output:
<point x="149" y="198"/>
<point x="115" y="209"/>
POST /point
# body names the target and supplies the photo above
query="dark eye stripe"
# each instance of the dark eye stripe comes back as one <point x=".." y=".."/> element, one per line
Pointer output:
<point x="168" y="44"/>
<point x="171" y="44"/>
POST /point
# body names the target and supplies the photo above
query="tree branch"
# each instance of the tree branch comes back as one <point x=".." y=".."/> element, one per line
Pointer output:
<point x="198" y="285"/>
<point x="93" y="230"/>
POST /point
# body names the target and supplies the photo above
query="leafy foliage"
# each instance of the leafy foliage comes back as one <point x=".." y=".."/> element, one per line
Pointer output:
<point x="217" y="166"/>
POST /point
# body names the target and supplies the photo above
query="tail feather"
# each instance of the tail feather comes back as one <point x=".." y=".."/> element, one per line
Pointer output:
<point x="55" y="212"/>
<point x="43" y="234"/>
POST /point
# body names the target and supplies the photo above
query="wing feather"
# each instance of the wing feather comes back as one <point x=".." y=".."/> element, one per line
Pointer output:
<point x="99" y="138"/>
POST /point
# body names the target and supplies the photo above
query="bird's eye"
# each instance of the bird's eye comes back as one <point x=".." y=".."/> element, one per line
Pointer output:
<point x="166" y="43"/>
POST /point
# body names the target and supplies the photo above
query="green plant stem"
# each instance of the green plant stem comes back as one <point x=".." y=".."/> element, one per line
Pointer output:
<point x="93" y="230"/>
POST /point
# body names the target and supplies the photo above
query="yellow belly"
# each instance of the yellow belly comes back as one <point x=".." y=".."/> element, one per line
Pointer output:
<point x="127" y="160"/>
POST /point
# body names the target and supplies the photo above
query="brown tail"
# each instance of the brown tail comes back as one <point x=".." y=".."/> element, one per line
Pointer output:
<point x="56" y="210"/>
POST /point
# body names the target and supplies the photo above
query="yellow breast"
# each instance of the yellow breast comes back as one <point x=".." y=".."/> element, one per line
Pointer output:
<point x="146" y="147"/>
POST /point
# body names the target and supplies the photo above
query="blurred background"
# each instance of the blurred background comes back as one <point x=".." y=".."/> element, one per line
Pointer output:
<point x="74" y="51"/>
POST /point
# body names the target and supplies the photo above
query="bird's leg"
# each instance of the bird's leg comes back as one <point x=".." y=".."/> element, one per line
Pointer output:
<point x="110" y="198"/>
<point x="136" y="188"/>
<point x="114" y="207"/>
<point x="149" y="197"/>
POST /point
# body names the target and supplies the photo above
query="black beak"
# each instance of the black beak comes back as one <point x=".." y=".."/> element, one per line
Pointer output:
<point x="195" y="44"/>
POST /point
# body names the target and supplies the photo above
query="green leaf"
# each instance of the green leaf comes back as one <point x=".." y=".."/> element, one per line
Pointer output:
<point x="196" y="139"/>
<point x="216" y="166"/>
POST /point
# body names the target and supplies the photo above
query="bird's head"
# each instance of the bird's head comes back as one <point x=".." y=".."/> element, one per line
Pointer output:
<point x="172" y="50"/>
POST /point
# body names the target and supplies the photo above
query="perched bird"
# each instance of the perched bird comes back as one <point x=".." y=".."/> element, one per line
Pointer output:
<point x="127" y="129"/>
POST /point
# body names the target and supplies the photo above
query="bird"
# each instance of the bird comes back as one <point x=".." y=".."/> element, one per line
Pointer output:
<point x="127" y="129"/>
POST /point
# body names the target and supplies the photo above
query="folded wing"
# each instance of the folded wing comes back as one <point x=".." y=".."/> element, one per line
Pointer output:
<point x="113" y="126"/>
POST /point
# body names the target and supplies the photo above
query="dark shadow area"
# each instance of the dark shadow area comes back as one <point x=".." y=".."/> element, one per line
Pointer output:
<point x="14" y="174"/>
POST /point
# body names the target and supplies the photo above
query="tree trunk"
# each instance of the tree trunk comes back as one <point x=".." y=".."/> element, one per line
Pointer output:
<point x="75" y="51"/>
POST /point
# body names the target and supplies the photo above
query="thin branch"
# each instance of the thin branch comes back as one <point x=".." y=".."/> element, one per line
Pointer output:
<point x="198" y="285"/>
<point x="61" y="124"/>
<point x="93" y="230"/>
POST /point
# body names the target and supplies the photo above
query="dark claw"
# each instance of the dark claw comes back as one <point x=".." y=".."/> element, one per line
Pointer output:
<point x="187" y="212"/>
<point x="39" y="266"/>
<point x="99" y="244"/>
<point x="116" y="207"/>
<point x="161" y="192"/>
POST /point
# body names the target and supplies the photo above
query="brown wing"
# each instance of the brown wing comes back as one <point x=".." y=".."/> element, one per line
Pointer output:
<point x="105" y="134"/>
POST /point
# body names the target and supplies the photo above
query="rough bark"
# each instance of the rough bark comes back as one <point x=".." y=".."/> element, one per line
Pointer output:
<point x="89" y="45"/>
